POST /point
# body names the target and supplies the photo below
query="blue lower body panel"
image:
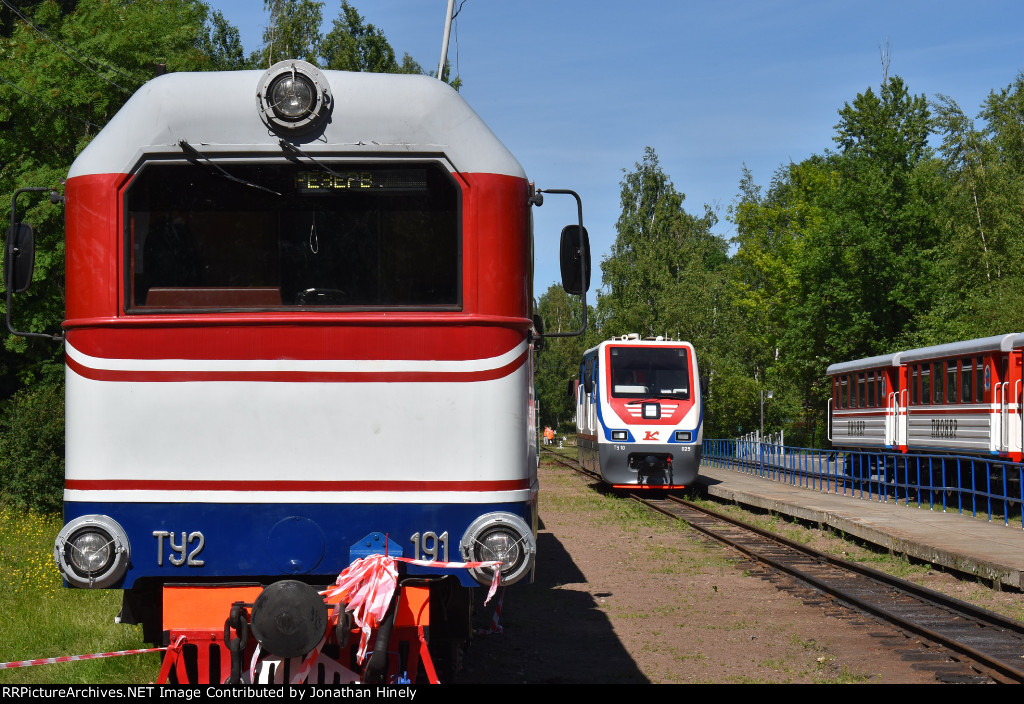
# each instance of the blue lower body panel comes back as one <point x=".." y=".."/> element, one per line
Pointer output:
<point x="180" y="542"/>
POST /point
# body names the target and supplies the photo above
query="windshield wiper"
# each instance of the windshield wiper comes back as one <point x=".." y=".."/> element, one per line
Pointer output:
<point x="289" y="147"/>
<point x="196" y="154"/>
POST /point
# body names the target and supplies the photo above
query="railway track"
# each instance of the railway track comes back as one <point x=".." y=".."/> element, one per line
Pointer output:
<point x="993" y="645"/>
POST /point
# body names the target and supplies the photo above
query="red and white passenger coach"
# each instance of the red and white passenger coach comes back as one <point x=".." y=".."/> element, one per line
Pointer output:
<point x="298" y="333"/>
<point x="961" y="397"/>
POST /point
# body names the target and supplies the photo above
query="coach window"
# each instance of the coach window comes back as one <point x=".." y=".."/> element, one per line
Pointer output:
<point x="979" y="380"/>
<point x="883" y="393"/>
<point x="937" y="379"/>
<point x="951" y="385"/>
<point x="926" y="385"/>
<point x="844" y="391"/>
<point x="286" y="236"/>
<point x="871" y="389"/>
<point x="913" y="384"/>
<point x="966" y="377"/>
<point x="860" y="391"/>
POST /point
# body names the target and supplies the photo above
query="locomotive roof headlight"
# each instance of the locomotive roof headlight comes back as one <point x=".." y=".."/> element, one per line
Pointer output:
<point x="293" y="96"/>
<point x="499" y="536"/>
<point x="92" y="552"/>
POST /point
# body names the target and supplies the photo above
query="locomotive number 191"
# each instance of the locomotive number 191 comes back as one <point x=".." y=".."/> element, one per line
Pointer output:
<point x="430" y="546"/>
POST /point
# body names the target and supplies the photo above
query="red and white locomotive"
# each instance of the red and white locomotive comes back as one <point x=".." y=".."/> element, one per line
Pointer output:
<point x="639" y="412"/>
<point x="961" y="397"/>
<point x="298" y="332"/>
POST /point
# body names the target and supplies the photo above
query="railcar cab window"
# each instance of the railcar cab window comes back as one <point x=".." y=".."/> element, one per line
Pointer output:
<point x="646" y="372"/>
<point x="290" y="236"/>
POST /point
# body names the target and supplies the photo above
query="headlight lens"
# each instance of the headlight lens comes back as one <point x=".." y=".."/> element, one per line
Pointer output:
<point x="89" y="551"/>
<point x="292" y="96"/>
<point x="502" y="546"/>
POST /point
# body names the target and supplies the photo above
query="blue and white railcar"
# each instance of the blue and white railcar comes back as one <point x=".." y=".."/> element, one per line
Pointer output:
<point x="639" y="412"/>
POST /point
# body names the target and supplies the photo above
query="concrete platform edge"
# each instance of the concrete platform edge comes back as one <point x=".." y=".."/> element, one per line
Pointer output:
<point x="915" y="547"/>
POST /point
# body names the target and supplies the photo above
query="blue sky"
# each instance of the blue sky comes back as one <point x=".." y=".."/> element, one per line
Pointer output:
<point x="577" y="88"/>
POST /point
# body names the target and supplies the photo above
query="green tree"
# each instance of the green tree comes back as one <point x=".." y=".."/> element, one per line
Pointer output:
<point x="558" y="361"/>
<point x="883" y="213"/>
<point x="354" y="45"/>
<point x="837" y="260"/>
<point x="981" y="262"/>
<point x="66" y="69"/>
<point x="668" y="274"/>
<point x="292" y="32"/>
<point x="221" y="45"/>
<point x="660" y="255"/>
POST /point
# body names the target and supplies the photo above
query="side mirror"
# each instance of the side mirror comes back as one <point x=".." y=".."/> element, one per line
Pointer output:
<point x="703" y="385"/>
<point x="538" y="327"/>
<point x="574" y="256"/>
<point x="19" y="257"/>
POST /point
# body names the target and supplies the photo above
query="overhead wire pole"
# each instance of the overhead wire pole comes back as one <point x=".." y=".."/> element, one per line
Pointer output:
<point x="444" y="41"/>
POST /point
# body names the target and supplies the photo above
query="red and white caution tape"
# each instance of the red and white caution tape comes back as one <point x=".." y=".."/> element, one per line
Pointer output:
<point x="496" y="564"/>
<point x="75" y="658"/>
<point x="495" y="626"/>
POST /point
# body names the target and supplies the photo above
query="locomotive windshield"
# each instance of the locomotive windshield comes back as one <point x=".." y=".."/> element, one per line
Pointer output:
<point x="646" y="372"/>
<point x="289" y="235"/>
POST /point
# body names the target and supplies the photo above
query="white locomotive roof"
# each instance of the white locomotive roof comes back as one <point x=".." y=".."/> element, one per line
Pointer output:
<point x="629" y="341"/>
<point x="373" y="114"/>
<point x="883" y="360"/>
<point x="1000" y="343"/>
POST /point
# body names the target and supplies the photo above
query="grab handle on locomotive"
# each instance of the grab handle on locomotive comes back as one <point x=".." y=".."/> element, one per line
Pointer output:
<point x="574" y="258"/>
<point x="19" y="257"/>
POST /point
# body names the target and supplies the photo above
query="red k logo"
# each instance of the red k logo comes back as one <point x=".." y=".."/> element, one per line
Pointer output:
<point x="651" y="435"/>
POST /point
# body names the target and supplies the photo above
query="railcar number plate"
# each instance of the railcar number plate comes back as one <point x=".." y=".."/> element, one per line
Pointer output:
<point x="185" y="552"/>
<point x="430" y="546"/>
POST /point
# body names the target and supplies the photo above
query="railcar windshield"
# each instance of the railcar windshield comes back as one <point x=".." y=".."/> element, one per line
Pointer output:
<point x="290" y="235"/>
<point x="648" y="372"/>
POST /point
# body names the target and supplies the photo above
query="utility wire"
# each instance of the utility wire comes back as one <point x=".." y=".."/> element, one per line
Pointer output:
<point x="53" y="41"/>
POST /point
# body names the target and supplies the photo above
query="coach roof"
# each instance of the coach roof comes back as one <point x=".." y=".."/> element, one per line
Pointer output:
<point x="996" y="343"/>
<point x="372" y="114"/>
<point x="881" y="361"/>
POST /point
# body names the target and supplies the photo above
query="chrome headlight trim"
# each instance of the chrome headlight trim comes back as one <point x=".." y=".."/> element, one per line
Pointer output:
<point x="293" y="96"/>
<point x="496" y="525"/>
<point x="92" y="551"/>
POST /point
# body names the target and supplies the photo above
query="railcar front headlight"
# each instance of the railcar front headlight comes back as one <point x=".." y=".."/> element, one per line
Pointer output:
<point x="499" y="536"/>
<point x="92" y="552"/>
<point x="292" y="96"/>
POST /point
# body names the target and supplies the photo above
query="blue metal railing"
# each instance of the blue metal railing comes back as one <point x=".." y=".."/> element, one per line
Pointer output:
<point x="970" y="485"/>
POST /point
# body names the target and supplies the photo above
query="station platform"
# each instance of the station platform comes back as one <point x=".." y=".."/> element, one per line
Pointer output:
<point x="992" y="551"/>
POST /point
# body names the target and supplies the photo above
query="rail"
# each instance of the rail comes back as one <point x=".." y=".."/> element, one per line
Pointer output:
<point x="976" y="486"/>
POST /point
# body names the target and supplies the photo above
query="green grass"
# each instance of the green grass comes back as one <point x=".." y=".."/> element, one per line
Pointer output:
<point x="39" y="618"/>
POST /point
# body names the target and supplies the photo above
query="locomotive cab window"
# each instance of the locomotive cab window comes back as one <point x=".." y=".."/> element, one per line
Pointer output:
<point x="280" y="236"/>
<point x="644" y="372"/>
